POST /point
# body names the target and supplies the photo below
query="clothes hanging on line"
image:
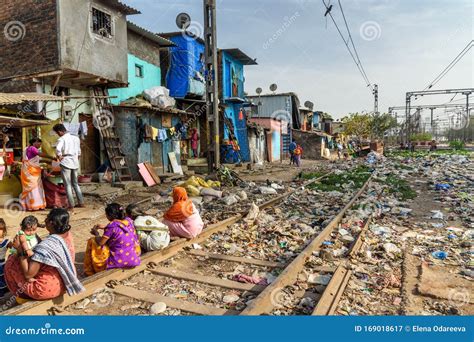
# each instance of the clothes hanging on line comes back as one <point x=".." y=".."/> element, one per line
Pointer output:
<point x="154" y="134"/>
<point x="162" y="135"/>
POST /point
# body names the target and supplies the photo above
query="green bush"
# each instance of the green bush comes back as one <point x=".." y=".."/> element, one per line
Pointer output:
<point x="456" y="145"/>
<point x="422" y="137"/>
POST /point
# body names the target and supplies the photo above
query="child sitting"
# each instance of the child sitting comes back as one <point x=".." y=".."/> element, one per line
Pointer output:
<point x="3" y="252"/>
<point x="26" y="238"/>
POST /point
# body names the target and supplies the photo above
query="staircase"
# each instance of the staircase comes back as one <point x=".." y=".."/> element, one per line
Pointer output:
<point x="104" y="121"/>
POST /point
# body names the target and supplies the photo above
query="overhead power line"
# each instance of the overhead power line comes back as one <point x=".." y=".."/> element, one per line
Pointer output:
<point x="450" y="65"/>
<point x="353" y="54"/>
<point x="352" y="42"/>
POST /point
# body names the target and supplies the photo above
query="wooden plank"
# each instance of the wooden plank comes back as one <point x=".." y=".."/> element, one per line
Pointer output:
<point x="250" y="261"/>
<point x="195" y="308"/>
<point x="152" y="172"/>
<point x="263" y="302"/>
<point x="331" y="291"/>
<point x="174" y="163"/>
<point x="142" y="169"/>
<point x="229" y="284"/>
<point x="360" y="239"/>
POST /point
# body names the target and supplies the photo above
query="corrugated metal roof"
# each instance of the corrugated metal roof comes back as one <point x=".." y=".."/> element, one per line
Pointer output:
<point x="122" y="7"/>
<point x="241" y="56"/>
<point x="18" y="98"/>
<point x="150" y="35"/>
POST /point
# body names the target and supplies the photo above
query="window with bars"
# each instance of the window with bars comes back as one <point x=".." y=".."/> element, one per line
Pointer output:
<point x="101" y="23"/>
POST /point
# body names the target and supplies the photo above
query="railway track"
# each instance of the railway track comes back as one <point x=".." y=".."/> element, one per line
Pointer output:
<point x="261" y="298"/>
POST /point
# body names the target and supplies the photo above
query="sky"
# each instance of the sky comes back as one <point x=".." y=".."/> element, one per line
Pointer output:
<point x="402" y="44"/>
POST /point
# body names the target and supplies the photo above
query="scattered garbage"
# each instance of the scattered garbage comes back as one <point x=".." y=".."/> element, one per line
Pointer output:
<point x="319" y="279"/>
<point x="264" y="190"/>
<point x="442" y="255"/>
<point x="158" y="308"/>
<point x="243" y="278"/>
<point x="391" y="248"/>
<point x="231" y="298"/>
<point x="437" y="215"/>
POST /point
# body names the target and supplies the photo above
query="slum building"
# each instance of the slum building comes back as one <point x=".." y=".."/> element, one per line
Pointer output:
<point x="78" y="46"/>
<point x="232" y="94"/>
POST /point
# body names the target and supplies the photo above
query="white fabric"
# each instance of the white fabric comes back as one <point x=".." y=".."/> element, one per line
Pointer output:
<point x="69" y="147"/>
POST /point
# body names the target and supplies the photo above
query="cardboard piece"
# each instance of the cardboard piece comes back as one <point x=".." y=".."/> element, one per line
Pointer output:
<point x="166" y="121"/>
<point x="174" y="163"/>
<point x="142" y="169"/>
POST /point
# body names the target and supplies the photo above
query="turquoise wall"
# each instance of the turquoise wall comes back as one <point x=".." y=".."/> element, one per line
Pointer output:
<point x="230" y="64"/>
<point x="276" y="145"/>
<point x="151" y="78"/>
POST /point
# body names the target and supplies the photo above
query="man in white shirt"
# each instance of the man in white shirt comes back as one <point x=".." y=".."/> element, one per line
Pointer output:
<point x="68" y="151"/>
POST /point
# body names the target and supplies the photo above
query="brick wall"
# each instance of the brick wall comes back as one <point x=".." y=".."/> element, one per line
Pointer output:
<point x="28" y="37"/>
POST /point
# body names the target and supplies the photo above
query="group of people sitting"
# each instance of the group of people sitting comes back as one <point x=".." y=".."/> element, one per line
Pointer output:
<point x="42" y="269"/>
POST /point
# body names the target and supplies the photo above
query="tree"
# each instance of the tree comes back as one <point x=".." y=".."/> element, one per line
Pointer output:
<point x="381" y="123"/>
<point x="358" y="125"/>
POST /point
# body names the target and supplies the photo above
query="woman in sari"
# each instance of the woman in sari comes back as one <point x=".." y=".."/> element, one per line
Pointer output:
<point x="117" y="247"/>
<point x="183" y="219"/>
<point x="50" y="272"/>
<point x="32" y="198"/>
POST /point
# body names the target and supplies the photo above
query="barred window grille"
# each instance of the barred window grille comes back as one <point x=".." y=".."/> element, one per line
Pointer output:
<point x="101" y="23"/>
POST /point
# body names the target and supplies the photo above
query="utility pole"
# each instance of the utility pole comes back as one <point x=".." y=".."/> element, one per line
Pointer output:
<point x="431" y="119"/>
<point x="211" y="65"/>
<point x="375" y="92"/>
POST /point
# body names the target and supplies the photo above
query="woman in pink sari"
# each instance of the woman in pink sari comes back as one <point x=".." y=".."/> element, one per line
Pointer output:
<point x="32" y="198"/>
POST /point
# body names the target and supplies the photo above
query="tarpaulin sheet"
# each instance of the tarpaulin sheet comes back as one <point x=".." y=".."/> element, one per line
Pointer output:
<point x="186" y="62"/>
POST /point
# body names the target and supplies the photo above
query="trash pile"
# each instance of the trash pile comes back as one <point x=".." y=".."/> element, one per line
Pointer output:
<point x="426" y="211"/>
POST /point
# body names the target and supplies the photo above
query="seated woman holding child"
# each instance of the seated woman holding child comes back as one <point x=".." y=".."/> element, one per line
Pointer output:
<point x="49" y="270"/>
<point x="183" y="219"/>
<point x="117" y="247"/>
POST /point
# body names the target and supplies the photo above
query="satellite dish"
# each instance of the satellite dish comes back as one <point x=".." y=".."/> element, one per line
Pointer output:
<point x="309" y="105"/>
<point x="273" y="87"/>
<point x="183" y="20"/>
<point x="258" y="90"/>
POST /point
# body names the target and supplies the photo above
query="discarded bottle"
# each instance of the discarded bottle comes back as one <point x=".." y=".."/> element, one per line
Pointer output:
<point x="440" y="255"/>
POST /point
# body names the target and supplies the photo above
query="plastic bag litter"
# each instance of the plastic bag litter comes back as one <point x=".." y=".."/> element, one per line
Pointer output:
<point x="379" y="230"/>
<point x="192" y="190"/>
<point x="264" y="190"/>
<point x="159" y="97"/>
<point x="252" y="214"/>
<point x="277" y="186"/>
<point x="231" y="199"/>
<point x="391" y="248"/>
<point x="200" y="182"/>
<point x="243" y="195"/>
<point x="436" y="214"/>
<point x="211" y="192"/>
<point x="319" y="279"/>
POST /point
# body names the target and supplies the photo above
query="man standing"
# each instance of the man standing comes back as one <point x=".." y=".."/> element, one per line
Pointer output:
<point x="68" y="151"/>
<point x="292" y="149"/>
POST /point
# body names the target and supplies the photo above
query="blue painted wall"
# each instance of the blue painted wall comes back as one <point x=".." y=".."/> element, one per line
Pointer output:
<point x="233" y="86"/>
<point x="186" y="63"/>
<point x="151" y="78"/>
<point x="232" y="77"/>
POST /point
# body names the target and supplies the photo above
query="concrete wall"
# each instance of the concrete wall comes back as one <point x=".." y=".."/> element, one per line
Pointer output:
<point x="151" y="78"/>
<point x="143" y="48"/>
<point x="85" y="51"/>
<point x="28" y="41"/>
